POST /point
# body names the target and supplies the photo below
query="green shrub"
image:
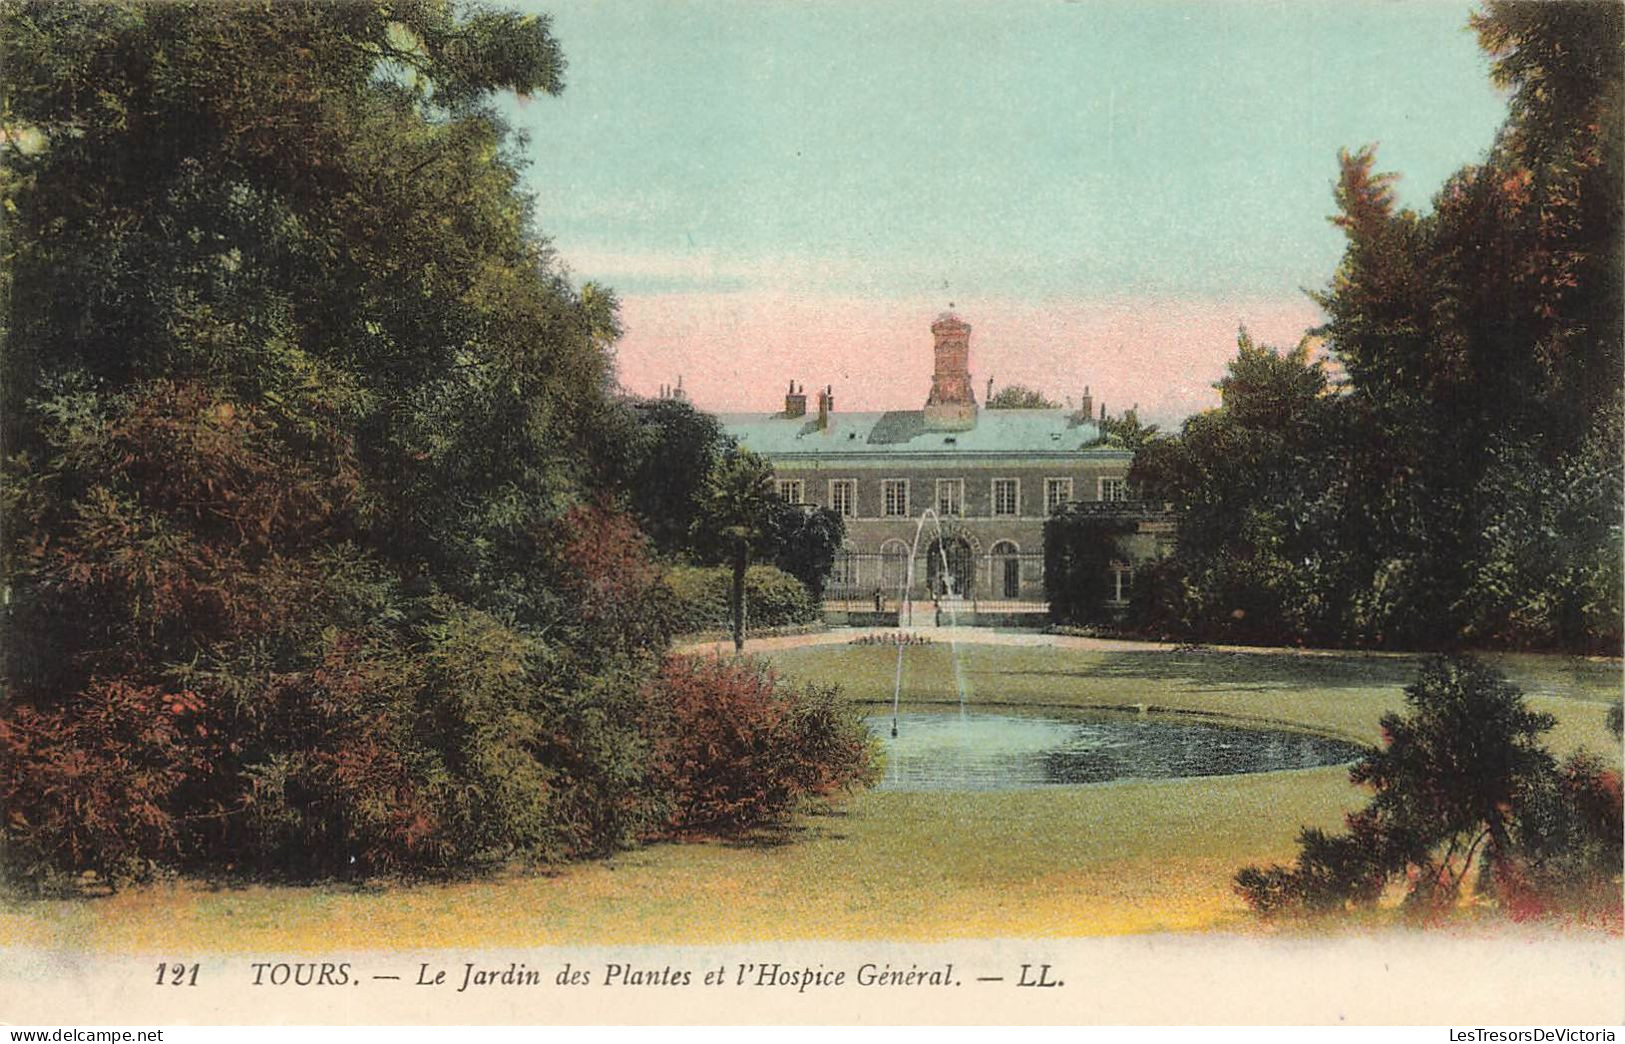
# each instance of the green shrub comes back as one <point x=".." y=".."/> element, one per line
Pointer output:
<point x="773" y="598"/>
<point x="1462" y="787"/>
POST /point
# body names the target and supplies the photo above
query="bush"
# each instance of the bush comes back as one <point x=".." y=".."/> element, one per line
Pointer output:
<point x="1569" y="838"/>
<point x="212" y="681"/>
<point x="773" y="598"/>
<point x="1461" y="785"/>
<point x="735" y="749"/>
<point x="90" y="785"/>
<point x="456" y="743"/>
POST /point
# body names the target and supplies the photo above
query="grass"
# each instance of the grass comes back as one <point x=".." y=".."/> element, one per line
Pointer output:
<point x="1097" y="860"/>
<point x="1338" y="694"/>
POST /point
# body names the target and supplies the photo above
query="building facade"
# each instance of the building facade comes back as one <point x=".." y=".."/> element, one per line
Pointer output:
<point x="949" y="499"/>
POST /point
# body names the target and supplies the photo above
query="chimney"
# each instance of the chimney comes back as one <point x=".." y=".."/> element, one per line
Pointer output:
<point x="826" y="406"/>
<point x="1087" y="406"/>
<point x="795" y="402"/>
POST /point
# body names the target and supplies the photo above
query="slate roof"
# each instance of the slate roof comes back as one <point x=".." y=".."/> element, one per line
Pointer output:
<point x="903" y="432"/>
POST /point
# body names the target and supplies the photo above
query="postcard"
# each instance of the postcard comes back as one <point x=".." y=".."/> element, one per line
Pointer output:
<point x="563" y="512"/>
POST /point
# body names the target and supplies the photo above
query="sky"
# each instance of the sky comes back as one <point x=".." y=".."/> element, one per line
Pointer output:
<point x="1104" y="190"/>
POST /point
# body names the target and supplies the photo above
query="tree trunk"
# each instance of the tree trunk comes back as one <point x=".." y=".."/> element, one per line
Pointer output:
<point x="1500" y="849"/>
<point x="737" y="597"/>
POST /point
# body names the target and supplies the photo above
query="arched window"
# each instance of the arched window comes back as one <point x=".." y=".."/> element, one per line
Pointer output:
<point x="950" y="567"/>
<point x="1005" y="572"/>
<point x="893" y="564"/>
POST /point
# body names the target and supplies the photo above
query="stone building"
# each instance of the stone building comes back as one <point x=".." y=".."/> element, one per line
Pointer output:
<point x="983" y="481"/>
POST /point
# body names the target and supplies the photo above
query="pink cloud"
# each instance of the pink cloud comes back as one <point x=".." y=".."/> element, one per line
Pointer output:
<point x="737" y="352"/>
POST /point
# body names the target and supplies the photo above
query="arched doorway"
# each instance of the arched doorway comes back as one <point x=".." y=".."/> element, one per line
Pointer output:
<point x="1006" y="572"/>
<point x="961" y="571"/>
<point x="893" y="566"/>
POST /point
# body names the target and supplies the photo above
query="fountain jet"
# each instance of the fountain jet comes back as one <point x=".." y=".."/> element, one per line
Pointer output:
<point x="905" y="604"/>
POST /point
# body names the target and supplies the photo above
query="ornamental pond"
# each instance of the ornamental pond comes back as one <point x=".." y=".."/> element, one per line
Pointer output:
<point x="980" y="750"/>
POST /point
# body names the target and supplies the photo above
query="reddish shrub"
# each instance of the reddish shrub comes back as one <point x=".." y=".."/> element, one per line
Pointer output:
<point x="621" y="601"/>
<point x="736" y="749"/>
<point x="92" y="785"/>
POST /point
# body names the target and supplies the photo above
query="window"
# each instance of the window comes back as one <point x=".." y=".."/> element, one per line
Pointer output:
<point x="843" y="497"/>
<point x="1004" y="569"/>
<point x="950" y="497"/>
<point x="1006" y="496"/>
<point x="1122" y="583"/>
<point x="1113" y="489"/>
<point x="1057" y="491"/>
<point x="792" y="491"/>
<point x="894" y="498"/>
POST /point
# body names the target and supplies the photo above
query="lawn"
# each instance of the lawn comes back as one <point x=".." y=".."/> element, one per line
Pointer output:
<point x="1094" y="860"/>
<point x="1338" y="694"/>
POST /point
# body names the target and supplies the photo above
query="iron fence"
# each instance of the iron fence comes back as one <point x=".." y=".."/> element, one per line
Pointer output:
<point x="880" y="582"/>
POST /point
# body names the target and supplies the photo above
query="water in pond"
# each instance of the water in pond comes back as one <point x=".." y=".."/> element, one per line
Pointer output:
<point x="979" y="751"/>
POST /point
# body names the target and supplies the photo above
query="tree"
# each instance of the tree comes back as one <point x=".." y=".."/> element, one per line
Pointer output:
<point x="804" y="542"/>
<point x="738" y="507"/>
<point x="1461" y="783"/>
<point x="1465" y="484"/>
<point x="1483" y="343"/>
<point x="1079" y="548"/>
<point x="297" y="411"/>
<point x="314" y="556"/>
<point x="674" y="449"/>
<point x="1126" y="431"/>
<point x="1253" y="481"/>
<point x="1019" y="397"/>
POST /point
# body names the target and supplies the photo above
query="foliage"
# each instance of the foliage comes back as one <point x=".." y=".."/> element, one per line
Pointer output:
<point x="313" y="561"/>
<point x="676" y="459"/>
<point x="1465" y="484"/>
<point x="1019" y="397"/>
<point x="1254" y="490"/>
<point x="1125" y="431"/>
<point x="805" y="541"/>
<point x="735" y="521"/>
<point x="673" y="451"/>
<point x="1161" y="603"/>
<point x="773" y="598"/>
<point x="88" y="786"/>
<point x="1461" y="783"/>
<point x="1569" y="839"/>
<point x="1079" y="550"/>
<point x="602" y="564"/>
<point x="737" y="750"/>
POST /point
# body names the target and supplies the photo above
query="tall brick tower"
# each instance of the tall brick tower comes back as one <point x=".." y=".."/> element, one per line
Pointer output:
<point x="952" y="404"/>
